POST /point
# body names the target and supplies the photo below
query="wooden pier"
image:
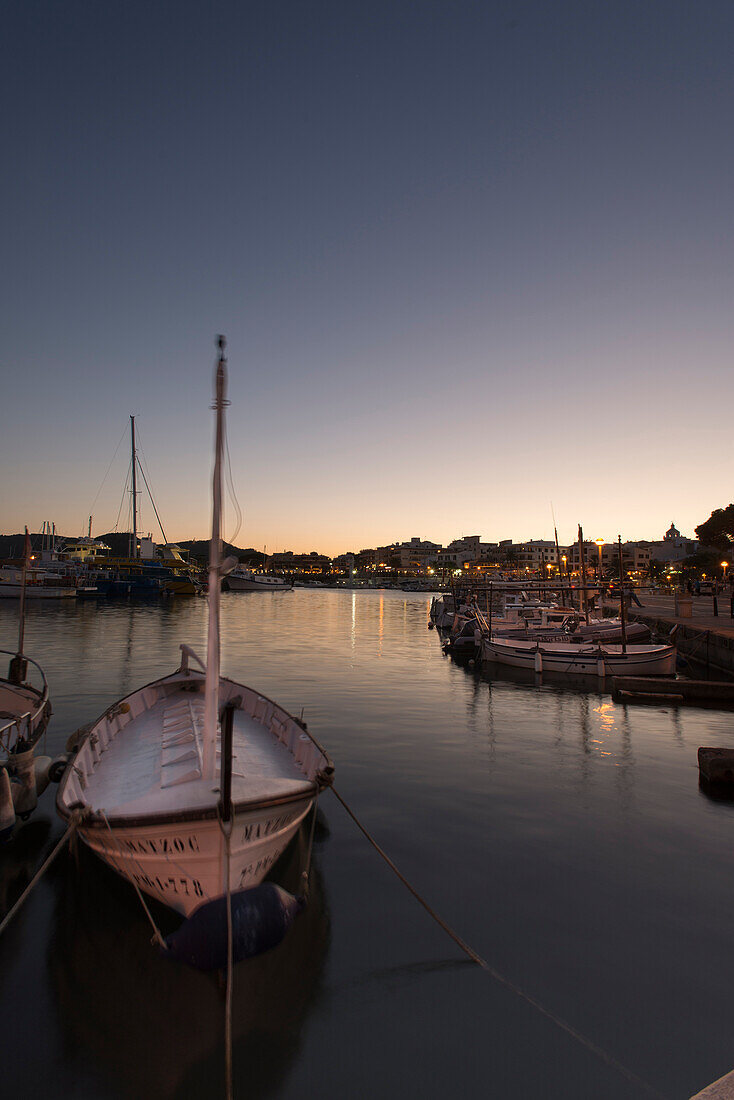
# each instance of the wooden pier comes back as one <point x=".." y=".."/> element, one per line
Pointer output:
<point x="650" y="689"/>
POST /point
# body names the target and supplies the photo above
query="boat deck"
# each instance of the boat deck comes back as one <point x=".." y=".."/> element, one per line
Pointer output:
<point x="153" y="765"/>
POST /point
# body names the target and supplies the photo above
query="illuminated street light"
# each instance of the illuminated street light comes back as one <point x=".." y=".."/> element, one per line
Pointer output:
<point x="724" y="566"/>
<point x="599" y="543"/>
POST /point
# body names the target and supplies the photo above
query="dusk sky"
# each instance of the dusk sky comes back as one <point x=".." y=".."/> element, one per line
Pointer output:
<point x="469" y="258"/>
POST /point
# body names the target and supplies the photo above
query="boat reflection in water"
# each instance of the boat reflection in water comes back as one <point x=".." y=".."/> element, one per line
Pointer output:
<point x="20" y="861"/>
<point x="156" y="1027"/>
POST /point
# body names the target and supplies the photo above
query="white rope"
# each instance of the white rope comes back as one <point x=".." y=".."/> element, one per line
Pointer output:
<point x="44" y="867"/>
<point x="157" y="937"/>
<point x="557" y="1020"/>
<point x="226" y="827"/>
<point x="305" y="883"/>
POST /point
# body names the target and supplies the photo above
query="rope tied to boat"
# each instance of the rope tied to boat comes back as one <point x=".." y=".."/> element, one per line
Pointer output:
<point x="609" y="1059"/>
<point x="305" y="874"/>
<point x="75" y="819"/>
<point x="431" y="912"/>
<point x="157" y="937"/>
<point x="226" y="825"/>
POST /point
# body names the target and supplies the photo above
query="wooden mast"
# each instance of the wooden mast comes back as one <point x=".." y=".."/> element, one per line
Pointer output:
<point x="18" y="664"/>
<point x="211" y="694"/>
<point x="582" y="559"/>
<point x="134" y="547"/>
<point x="622" y="609"/>
<point x="558" y="567"/>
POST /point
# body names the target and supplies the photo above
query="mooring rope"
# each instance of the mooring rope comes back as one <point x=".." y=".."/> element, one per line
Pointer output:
<point x="449" y="931"/>
<point x="157" y="937"/>
<point x="305" y="883"/>
<point x="226" y="827"/>
<point x="609" y="1059"/>
<point x="38" y="875"/>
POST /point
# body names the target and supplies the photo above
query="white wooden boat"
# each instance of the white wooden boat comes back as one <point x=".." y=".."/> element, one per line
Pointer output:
<point x="150" y="773"/>
<point x="24" y="708"/>
<point x="39" y="584"/>
<point x="244" y="580"/>
<point x="576" y="659"/>
<point x="152" y="802"/>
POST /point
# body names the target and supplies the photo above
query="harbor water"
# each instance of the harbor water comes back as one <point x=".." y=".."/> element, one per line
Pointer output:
<point x="562" y="835"/>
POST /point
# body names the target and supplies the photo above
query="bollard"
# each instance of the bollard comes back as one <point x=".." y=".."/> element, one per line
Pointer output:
<point x="716" y="606"/>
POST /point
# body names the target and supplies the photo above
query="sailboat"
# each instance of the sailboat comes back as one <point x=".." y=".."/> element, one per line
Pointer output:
<point x="155" y="778"/>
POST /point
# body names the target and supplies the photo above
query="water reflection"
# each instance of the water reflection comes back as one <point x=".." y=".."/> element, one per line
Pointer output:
<point x="157" y="1026"/>
<point x="19" y="860"/>
<point x="562" y="834"/>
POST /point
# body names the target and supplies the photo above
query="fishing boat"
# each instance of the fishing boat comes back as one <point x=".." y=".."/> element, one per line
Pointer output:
<point x="244" y="580"/>
<point x="584" y="659"/>
<point x="38" y="583"/>
<point x="24" y="714"/>
<point x="24" y="706"/>
<point x="159" y="772"/>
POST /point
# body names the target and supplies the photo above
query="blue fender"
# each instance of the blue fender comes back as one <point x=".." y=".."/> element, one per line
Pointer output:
<point x="261" y="916"/>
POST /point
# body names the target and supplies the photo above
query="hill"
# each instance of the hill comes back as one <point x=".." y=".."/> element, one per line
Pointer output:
<point x="11" y="546"/>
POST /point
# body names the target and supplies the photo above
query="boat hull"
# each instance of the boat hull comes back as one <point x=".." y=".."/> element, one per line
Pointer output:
<point x="160" y="828"/>
<point x="250" y="584"/>
<point x="36" y="592"/>
<point x="584" y="660"/>
<point x="182" y="863"/>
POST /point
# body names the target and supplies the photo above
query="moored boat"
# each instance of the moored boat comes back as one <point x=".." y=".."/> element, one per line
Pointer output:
<point x="150" y="777"/>
<point x="244" y="580"/>
<point x="24" y="714"/>
<point x="39" y="584"/>
<point x="584" y="659"/>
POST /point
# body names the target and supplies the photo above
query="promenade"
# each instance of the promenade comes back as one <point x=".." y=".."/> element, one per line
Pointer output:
<point x="704" y="638"/>
<point x="662" y="608"/>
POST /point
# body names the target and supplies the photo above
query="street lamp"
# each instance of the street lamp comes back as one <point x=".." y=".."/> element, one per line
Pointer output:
<point x="724" y="566"/>
<point x="599" y="543"/>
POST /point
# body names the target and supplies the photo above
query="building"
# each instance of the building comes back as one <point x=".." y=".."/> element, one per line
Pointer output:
<point x="461" y="551"/>
<point x="365" y="559"/>
<point x="344" y="563"/>
<point x="288" y="562"/>
<point x="414" y="555"/>
<point x="635" y="558"/>
<point x="537" y="554"/>
<point x="672" y="548"/>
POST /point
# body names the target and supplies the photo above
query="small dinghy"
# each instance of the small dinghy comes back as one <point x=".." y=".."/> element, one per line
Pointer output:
<point x="151" y="779"/>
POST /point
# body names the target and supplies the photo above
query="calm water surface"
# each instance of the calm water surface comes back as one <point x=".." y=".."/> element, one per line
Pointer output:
<point x="562" y="835"/>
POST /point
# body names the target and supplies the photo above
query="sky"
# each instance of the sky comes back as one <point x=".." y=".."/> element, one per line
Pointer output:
<point x="474" y="263"/>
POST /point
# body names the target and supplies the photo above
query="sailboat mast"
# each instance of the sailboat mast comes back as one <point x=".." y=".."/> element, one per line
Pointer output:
<point x="582" y="559"/>
<point x="211" y="695"/>
<point x="23" y="577"/>
<point x="134" y="547"/>
<point x="622" y="608"/>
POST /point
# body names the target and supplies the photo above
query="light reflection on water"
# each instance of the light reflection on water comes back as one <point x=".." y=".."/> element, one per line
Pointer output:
<point x="563" y="835"/>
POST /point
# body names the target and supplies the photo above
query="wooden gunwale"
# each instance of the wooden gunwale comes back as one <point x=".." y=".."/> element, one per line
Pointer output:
<point x="95" y="820"/>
